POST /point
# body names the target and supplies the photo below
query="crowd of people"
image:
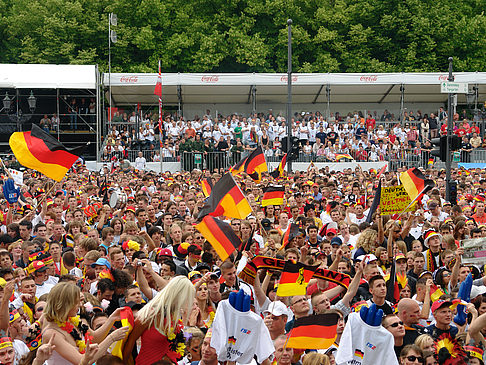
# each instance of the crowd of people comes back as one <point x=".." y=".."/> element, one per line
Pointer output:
<point x="73" y="258"/>
<point x="337" y="138"/>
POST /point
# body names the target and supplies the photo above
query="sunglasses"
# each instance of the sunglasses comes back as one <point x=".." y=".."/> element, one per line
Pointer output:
<point x="396" y="324"/>
<point x="412" y="358"/>
<point x="40" y="309"/>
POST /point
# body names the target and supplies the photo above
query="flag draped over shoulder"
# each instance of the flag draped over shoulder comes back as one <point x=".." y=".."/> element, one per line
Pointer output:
<point x="220" y="235"/>
<point x="279" y="172"/>
<point x="254" y="165"/>
<point x="40" y="151"/>
<point x="415" y="183"/>
<point x="226" y="199"/>
<point x="294" y="279"/>
<point x="273" y="195"/>
<point x="314" y="332"/>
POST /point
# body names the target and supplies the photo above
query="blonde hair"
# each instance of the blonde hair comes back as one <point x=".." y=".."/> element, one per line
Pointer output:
<point x="421" y="341"/>
<point x="367" y="240"/>
<point x="314" y="358"/>
<point x="167" y="306"/>
<point x="61" y="299"/>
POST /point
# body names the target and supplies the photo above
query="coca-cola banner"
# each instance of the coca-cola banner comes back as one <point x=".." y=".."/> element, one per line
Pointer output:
<point x="267" y="79"/>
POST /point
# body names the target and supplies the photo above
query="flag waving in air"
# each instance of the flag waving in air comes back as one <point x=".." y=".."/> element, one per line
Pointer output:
<point x="220" y="235"/>
<point x="415" y="183"/>
<point x="292" y="232"/>
<point x="40" y="151"/>
<point x="294" y="279"/>
<point x="254" y="165"/>
<point x="226" y="199"/>
<point x="273" y="195"/>
<point x="279" y="172"/>
<point x="207" y="186"/>
<point x="314" y="332"/>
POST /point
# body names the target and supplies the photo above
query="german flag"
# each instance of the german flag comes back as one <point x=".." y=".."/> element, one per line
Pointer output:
<point x="40" y="151"/>
<point x="290" y="234"/>
<point x="279" y="172"/>
<point x="340" y="156"/>
<point x="226" y="199"/>
<point x="294" y="279"/>
<point x="435" y="293"/>
<point x="127" y="320"/>
<point x="430" y="162"/>
<point x="207" y="186"/>
<point x="238" y="168"/>
<point x="415" y="183"/>
<point x="220" y="235"/>
<point x="314" y="332"/>
<point x="255" y="164"/>
<point x="273" y="195"/>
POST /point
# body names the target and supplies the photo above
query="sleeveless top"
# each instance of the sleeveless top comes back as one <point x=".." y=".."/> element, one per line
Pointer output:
<point x="154" y="347"/>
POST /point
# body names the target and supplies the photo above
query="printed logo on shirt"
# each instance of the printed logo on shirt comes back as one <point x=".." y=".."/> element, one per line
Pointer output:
<point x="370" y="345"/>
<point x="231" y="340"/>
<point x="244" y="330"/>
<point x="358" y="353"/>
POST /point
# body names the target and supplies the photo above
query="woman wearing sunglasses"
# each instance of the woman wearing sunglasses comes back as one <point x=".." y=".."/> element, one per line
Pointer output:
<point x="411" y="354"/>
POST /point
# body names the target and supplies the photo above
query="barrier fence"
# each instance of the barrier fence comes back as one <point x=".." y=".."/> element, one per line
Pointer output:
<point x="223" y="160"/>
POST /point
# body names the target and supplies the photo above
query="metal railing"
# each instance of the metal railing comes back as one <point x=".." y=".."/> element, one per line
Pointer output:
<point x="208" y="161"/>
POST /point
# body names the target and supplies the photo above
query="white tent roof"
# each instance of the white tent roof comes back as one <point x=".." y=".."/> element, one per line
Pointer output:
<point x="306" y="88"/>
<point x="21" y="76"/>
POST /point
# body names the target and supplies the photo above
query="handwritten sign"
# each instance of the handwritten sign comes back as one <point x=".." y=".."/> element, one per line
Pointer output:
<point x="394" y="199"/>
<point x="474" y="251"/>
<point x="18" y="177"/>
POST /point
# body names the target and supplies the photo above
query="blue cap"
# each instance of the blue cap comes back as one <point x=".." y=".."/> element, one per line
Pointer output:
<point x="102" y="262"/>
<point x="336" y="241"/>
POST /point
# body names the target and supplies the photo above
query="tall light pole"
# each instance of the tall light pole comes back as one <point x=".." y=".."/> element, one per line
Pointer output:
<point x="289" y="96"/>
<point x="112" y="38"/>
<point x="450" y="121"/>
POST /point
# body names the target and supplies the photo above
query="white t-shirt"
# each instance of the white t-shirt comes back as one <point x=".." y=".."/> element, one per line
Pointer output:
<point x="238" y="336"/>
<point x="364" y="344"/>
<point x="140" y="163"/>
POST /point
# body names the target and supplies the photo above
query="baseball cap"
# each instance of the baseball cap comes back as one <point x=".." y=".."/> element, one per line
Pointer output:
<point x="336" y="241"/>
<point x="38" y="266"/>
<point x="101" y="262"/>
<point x="440" y="304"/>
<point x="164" y="252"/>
<point x="400" y="256"/>
<point x="277" y="309"/>
<point x="331" y="230"/>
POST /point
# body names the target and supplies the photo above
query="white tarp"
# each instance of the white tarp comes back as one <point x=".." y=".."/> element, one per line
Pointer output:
<point x="265" y="79"/>
<point x="23" y="76"/>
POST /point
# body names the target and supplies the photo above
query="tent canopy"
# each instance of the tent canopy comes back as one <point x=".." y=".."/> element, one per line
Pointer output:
<point x="237" y="88"/>
<point x="21" y="76"/>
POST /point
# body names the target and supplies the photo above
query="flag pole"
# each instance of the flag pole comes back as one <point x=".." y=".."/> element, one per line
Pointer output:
<point x="160" y="120"/>
<point x="413" y="201"/>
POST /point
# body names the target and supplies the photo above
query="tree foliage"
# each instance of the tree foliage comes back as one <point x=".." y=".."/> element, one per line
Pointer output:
<point x="248" y="35"/>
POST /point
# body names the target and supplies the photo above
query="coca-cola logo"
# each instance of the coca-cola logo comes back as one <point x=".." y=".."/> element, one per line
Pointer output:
<point x="444" y="77"/>
<point x="210" y="79"/>
<point x="129" y="79"/>
<point x="371" y="78"/>
<point x="285" y="78"/>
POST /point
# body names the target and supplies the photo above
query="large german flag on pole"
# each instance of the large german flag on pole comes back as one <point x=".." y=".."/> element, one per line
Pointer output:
<point x="256" y="164"/>
<point x="294" y="279"/>
<point x="314" y="332"/>
<point x="220" y="235"/>
<point x="273" y="195"/>
<point x="415" y="183"/>
<point x="279" y="172"/>
<point x="40" y="151"/>
<point x="226" y="199"/>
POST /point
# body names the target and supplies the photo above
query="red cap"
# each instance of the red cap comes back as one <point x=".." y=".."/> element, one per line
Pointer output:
<point x="164" y="252"/>
<point x="331" y="230"/>
<point x="440" y="304"/>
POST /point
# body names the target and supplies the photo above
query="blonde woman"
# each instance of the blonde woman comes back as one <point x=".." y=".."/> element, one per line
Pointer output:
<point x="314" y="358"/>
<point x="71" y="338"/>
<point x="367" y="242"/>
<point x="159" y="324"/>
<point x="203" y="312"/>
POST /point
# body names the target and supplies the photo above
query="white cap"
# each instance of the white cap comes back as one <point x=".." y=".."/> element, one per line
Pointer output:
<point x="277" y="309"/>
<point x="477" y="290"/>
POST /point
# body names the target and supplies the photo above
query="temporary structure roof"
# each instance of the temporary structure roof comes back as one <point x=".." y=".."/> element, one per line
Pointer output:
<point x="236" y="88"/>
<point x="21" y="76"/>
